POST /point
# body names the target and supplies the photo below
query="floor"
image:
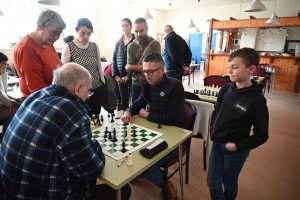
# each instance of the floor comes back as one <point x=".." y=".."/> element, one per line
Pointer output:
<point x="272" y="171"/>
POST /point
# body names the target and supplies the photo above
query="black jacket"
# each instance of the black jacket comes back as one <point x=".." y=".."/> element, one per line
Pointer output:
<point x="235" y="112"/>
<point x="176" y="53"/>
<point x="165" y="102"/>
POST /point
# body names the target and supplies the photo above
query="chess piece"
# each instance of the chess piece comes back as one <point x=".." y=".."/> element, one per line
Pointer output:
<point x="109" y="135"/>
<point x="125" y="135"/>
<point x="93" y="117"/>
<point x="134" y="133"/>
<point x="123" y="147"/>
<point x="114" y="139"/>
<point x="129" y="159"/>
<point x="159" y="126"/>
<point x="112" y="118"/>
<point x="102" y="118"/>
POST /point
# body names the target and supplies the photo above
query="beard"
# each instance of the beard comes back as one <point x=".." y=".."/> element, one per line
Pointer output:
<point x="142" y="40"/>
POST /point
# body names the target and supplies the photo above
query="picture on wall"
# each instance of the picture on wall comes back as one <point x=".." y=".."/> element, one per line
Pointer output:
<point x="159" y="37"/>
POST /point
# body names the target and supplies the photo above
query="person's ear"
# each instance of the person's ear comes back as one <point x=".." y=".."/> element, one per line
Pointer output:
<point x="252" y="69"/>
<point x="77" y="88"/>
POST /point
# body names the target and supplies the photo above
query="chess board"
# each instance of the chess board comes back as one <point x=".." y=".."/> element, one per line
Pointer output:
<point x="113" y="149"/>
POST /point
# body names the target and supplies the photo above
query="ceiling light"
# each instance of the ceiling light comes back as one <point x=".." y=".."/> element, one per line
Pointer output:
<point x="1" y="13"/>
<point x="197" y="30"/>
<point x="262" y="33"/>
<point x="191" y="25"/>
<point x="288" y="33"/>
<point x="230" y="33"/>
<point x="279" y="30"/>
<point x="239" y="31"/>
<point x="49" y="2"/>
<point x="273" y="19"/>
<point x="147" y="15"/>
<point x="270" y="30"/>
<point x="256" y="6"/>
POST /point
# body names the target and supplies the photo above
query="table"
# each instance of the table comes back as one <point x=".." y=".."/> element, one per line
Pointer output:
<point x="273" y="76"/>
<point x="200" y="87"/>
<point x="116" y="177"/>
<point x="11" y="80"/>
<point x="192" y="67"/>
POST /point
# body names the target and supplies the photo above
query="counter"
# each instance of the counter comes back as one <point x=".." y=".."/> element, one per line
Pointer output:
<point x="287" y="69"/>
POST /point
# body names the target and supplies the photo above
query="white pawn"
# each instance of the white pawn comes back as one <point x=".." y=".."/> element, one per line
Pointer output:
<point x="129" y="159"/>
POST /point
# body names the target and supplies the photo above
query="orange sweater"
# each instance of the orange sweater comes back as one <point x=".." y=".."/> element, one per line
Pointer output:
<point x="34" y="64"/>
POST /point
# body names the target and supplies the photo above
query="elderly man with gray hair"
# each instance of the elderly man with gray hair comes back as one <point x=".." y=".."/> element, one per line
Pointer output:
<point x="48" y="151"/>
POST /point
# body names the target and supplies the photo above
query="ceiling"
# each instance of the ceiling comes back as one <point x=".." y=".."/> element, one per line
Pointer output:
<point x="185" y="4"/>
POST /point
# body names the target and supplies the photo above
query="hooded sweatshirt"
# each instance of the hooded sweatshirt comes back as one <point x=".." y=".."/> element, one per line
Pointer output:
<point x="236" y="111"/>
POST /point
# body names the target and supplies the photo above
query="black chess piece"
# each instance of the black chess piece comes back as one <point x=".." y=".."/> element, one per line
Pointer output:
<point x="102" y="118"/>
<point x="159" y="126"/>
<point x="114" y="139"/>
<point x="134" y="133"/>
<point x="123" y="149"/>
<point x="112" y="118"/>
<point x="105" y="132"/>
<point x="125" y="135"/>
<point x="109" y="135"/>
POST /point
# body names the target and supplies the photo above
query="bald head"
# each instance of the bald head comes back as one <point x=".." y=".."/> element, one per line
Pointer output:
<point x="167" y="29"/>
<point x="71" y="74"/>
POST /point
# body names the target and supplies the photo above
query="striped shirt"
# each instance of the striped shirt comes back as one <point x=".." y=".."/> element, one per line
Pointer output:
<point x="48" y="151"/>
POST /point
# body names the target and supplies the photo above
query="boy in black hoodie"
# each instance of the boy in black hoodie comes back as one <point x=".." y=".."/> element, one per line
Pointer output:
<point x="240" y="106"/>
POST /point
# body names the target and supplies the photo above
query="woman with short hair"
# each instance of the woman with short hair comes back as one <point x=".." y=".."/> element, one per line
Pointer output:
<point x="87" y="54"/>
<point x="34" y="56"/>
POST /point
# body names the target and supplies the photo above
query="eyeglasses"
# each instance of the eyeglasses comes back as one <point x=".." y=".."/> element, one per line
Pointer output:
<point x="82" y="33"/>
<point x="55" y="33"/>
<point x="90" y="93"/>
<point x="5" y="63"/>
<point x="149" y="72"/>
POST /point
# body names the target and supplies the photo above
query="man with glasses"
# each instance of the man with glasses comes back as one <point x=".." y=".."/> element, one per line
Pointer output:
<point x="136" y="51"/>
<point x="48" y="151"/>
<point x="177" y="53"/>
<point x="161" y="101"/>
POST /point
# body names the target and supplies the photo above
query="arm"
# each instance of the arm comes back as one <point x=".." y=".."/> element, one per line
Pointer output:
<point x="115" y="71"/>
<point x="171" y="49"/>
<point x="99" y="65"/>
<point x="260" y="118"/>
<point x="82" y="155"/>
<point x="176" y="99"/>
<point x="66" y="54"/>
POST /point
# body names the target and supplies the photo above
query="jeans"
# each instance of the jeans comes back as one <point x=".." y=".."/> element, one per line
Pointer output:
<point x="136" y="91"/>
<point x="154" y="174"/>
<point x="175" y="74"/>
<point x="224" y="168"/>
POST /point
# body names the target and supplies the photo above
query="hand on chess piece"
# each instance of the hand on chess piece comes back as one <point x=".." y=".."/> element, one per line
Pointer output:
<point x="129" y="159"/>
<point x="126" y="118"/>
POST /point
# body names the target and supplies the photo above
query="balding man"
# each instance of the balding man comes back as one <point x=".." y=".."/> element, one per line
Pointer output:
<point x="48" y="151"/>
<point x="176" y="53"/>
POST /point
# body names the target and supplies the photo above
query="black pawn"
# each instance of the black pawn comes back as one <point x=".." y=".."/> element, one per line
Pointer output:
<point x="102" y="118"/>
<point x="159" y="126"/>
<point x="105" y="132"/>
<point x="112" y="118"/>
<point x="123" y="149"/>
<point x="109" y="135"/>
<point x="114" y="139"/>
<point x="134" y="134"/>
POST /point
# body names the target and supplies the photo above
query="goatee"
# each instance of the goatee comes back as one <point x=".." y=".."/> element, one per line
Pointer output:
<point x="142" y="40"/>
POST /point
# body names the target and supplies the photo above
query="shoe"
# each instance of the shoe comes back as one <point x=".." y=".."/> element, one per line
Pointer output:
<point x="171" y="192"/>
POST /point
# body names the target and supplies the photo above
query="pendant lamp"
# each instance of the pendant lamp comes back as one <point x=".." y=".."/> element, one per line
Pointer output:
<point x="49" y="2"/>
<point x="147" y="15"/>
<point x="273" y="19"/>
<point x="191" y="24"/>
<point x="197" y="30"/>
<point x="256" y="6"/>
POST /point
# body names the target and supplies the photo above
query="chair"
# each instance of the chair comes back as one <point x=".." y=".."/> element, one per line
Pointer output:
<point x="260" y="72"/>
<point x="188" y="74"/>
<point x="267" y="75"/>
<point x="189" y="116"/>
<point x="215" y="80"/>
<point x="228" y="78"/>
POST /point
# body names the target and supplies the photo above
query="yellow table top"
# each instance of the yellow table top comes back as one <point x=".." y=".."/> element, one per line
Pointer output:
<point x="116" y="177"/>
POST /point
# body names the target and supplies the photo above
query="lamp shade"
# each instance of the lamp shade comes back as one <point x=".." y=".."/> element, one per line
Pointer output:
<point x="197" y="30"/>
<point x="273" y="19"/>
<point x="49" y="2"/>
<point x="1" y="13"/>
<point x="147" y="15"/>
<point x="256" y="6"/>
<point x="191" y="25"/>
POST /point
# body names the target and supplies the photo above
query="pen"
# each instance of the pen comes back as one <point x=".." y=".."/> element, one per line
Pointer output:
<point x="121" y="162"/>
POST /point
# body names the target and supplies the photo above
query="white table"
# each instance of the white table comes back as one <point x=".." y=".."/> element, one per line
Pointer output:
<point x="11" y="80"/>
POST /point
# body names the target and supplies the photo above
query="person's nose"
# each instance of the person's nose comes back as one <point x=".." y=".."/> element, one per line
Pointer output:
<point x="229" y="70"/>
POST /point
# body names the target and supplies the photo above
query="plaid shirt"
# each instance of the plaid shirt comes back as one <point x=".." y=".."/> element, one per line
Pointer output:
<point x="48" y="151"/>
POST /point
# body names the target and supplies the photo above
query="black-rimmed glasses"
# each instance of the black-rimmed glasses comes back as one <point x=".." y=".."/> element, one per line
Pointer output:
<point x="55" y="33"/>
<point x="149" y="72"/>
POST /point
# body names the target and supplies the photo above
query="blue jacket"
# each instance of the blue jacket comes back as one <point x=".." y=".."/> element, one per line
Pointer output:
<point x="176" y="53"/>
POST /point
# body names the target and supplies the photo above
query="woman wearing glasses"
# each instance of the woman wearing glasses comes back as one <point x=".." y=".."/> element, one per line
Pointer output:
<point x="87" y="54"/>
<point x="35" y="57"/>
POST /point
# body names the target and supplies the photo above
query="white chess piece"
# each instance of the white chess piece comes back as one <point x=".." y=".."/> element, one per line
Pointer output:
<point x="129" y="159"/>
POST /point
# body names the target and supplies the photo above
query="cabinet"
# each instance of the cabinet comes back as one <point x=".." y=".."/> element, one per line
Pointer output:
<point x="270" y="41"/>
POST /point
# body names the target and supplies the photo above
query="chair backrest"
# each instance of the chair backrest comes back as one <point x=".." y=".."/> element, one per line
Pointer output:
<point x="215" y="80"/>
<point x="191" y="96"/>
<point x="189" y="115"/>
<point x="259" y="72"/>
<point x="228" y="78"/>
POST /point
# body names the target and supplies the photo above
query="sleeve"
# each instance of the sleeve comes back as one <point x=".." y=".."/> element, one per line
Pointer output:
<point x="130" y="55"/>
<point x="188" y="55"/>
<point x="4" y="100"/>
<point x="137" y="105"/>
<point x="99" y="65"/>
<point x="156" y="47"/>
<point x="66" y="54"/>
<point x="260" y="118"/>
<point x="115" y="71"/>
<point x="171" y="49"/>
<point x="176" y="99"/>
<point x="30" y="65"/>
<point x="82" y="155"/>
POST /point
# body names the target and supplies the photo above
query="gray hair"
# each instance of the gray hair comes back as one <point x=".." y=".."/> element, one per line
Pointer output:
<point x="71" y="74"/>
<point x="48" y="18"/>
<point x="168" y="27"/>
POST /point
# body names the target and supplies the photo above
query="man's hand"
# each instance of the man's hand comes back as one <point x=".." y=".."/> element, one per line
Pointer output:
<point x="125" y="79"/>
<point x="118" y="79"/>
<point x="126" y="118"/>
<point x="14" y="107"/>
<point x="230" y="146"/>
<point x="128" y="68"/>
<point x="143" y="113"/>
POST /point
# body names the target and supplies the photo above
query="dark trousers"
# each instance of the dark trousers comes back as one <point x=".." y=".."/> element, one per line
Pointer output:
<point x="96" y="100"/>
<point x="175" y="74"/>
<point x="104" y="192"/>
<point x="124" y="93"/>
<point x="136" y="91"/>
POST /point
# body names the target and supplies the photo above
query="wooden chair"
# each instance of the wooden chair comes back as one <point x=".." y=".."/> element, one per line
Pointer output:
<point x="267" y="75"/>
<point x="215" y="80"/>
<point x="260" y="72"/>
<point x="189" y="115"/>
